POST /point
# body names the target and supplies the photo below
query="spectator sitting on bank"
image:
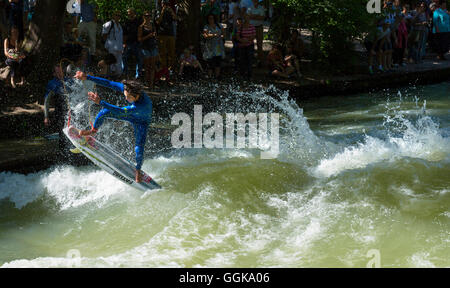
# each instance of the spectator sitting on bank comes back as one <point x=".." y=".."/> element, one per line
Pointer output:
<point x="276" y="63"/>
<point x="162" y="73"/>
<point x="14" y="56"/>
<point x="71" y="49"/>
<point x="105" y="64"/>
<point x="291" y="62"/>
<point x="83" y="60"/>
<point x="189" y="65"/>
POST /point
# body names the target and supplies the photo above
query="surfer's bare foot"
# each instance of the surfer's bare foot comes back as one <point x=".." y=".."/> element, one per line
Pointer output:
<point x="87" y="132"/>
<point x="138" y="176"/>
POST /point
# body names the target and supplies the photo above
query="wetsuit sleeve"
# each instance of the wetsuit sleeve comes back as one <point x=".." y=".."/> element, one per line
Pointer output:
<point x="106" y="83"/>
<point x="47" y="96"/>
<point x="50" y="90"/>
<point x="117" y="109"/>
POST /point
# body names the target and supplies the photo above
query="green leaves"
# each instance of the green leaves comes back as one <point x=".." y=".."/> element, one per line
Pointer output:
<point x="107" y="7"/>
<point x="335" y="22"/>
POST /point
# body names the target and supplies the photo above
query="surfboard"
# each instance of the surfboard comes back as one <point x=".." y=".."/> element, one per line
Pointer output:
<point x="106" y="158"/>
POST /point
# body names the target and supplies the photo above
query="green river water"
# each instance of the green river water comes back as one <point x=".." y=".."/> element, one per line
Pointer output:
<point x="356" y="176"/>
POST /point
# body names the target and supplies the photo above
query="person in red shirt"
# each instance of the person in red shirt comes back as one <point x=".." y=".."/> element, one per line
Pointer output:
<point x="245" y="38"/>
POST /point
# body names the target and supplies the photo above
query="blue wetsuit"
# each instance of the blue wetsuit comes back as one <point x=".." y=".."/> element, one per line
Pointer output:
<point x="139" y="114"/>
<point x="55" y="89"/>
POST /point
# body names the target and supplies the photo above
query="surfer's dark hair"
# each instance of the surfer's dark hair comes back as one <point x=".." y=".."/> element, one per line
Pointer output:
<point x="132" y="86"/>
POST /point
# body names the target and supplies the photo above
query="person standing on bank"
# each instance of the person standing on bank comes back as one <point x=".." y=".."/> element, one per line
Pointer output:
<point x="245" y="37"/>
<point x="166" y="34"/>
<point x="88" y="24"/>
<point x="214" y="49"/>
<point x="257" y="15"/>
<point x="131" y="44"/>
<point x="147" y="39"/>
<point x="112" y="33"/>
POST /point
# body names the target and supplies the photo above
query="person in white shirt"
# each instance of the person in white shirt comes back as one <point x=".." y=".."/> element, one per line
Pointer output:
<point x="112" y="33"/>
<point x="257" y="15"/>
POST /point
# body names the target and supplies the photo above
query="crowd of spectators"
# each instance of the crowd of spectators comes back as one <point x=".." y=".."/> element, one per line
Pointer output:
<point x="150" y="40"/>
<point x="406" y="33"/>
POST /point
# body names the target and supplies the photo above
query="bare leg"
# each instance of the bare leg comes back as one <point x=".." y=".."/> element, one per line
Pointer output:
<point x="13" y="84"/>
<point x="217" y="72"/>
<point x="152" y="66"/>
<point x="181" y="68"/>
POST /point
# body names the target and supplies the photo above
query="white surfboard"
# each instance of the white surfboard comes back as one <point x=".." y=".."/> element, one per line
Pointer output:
<point x="109" y="160"/>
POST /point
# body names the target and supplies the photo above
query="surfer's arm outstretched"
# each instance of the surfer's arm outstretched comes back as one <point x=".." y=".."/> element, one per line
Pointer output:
<point x="51" y="90"/>
<point x="47" y="96"/>
<point x="100" y="81"/>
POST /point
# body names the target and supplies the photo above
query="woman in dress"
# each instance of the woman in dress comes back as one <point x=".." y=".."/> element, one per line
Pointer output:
<point x="214" y="49"/>
<point x="147" y="38"/>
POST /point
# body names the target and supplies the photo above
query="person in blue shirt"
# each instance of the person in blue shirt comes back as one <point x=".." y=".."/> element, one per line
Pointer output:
<point x="139" y="113"/>
<point x="441" y="28"/>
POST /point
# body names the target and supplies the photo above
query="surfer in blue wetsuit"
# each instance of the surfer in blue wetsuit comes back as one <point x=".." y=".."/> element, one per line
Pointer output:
<point x="139" y="113"/>
<point x="57" y="90"/>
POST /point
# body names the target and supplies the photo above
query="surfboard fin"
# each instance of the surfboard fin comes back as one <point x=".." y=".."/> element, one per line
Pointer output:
<point x="75" y="151"/>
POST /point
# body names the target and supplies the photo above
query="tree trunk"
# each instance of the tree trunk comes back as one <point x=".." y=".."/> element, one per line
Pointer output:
<point x="43" y="39"/>
<point x="188" y="29"/>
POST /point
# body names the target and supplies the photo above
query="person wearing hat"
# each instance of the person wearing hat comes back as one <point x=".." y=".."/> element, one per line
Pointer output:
<point x="138" y="113"/>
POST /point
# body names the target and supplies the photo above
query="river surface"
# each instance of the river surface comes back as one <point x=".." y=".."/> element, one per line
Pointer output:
<point x="359" y="180"/>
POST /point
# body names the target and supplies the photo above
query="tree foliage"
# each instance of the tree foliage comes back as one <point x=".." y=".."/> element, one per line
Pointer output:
<point x="334" y="23"/>
<point x="107" y="7"/>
